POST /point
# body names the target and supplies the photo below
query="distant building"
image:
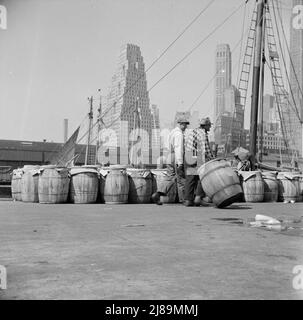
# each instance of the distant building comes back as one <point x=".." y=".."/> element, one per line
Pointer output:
<point x="223" y="76"/>
<point x="129" y="114"/>
<point x="17" y="153"/>
<point x="296" y="75"/>
<point x="231" y="99"/>
<point x="271" y="120"/>
<point x="155" y="116"/>
<point x="229" y="113"/>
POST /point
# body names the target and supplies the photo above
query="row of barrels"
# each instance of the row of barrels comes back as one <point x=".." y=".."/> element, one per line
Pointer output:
<point x="271" y="186"/>
<point x="89" y="184"/>
<point x="223" y="185"/>
<point x="118" y="184"/>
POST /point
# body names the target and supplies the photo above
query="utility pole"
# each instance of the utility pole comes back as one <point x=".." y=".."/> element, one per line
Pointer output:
<point x="90" y="119"/>
<point x="99" y="124"/>
<point x="256" y="80"/>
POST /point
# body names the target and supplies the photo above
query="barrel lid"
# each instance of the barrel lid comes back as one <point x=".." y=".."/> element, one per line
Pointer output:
<point x="117" y="167"/>
<point x="18" y="172"/>
<point x="92" y="166"/>
<point x="137" y="169"/>
<point x="162" y="172"/>
<point x="158" y="170"/>
<point x="288" y="175"/>
<point x="135" y="172"/>
<point x="83" y="169"/>
<point x="270" y="173"/>
<point x="30" y="167"/>
<point x="249" y="174"/>
<point x="52" y="166"/>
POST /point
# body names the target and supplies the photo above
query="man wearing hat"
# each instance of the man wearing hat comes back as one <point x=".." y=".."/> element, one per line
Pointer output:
<point x="197" y="152"/>
<point x="176" y="158"/>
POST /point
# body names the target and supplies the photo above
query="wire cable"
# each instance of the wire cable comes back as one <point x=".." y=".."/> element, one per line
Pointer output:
<point x="160" y="56"/>
<point x="184" y="58"/>
<point x="284" y="63"/>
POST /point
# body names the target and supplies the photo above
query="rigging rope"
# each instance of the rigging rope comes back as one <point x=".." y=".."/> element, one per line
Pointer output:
<point x="284" y="63"/>
<point x="161" y="55"/>
<point x="212" y="79"/>
<point x="184" y="58"/>
<point x="288" y="50"/>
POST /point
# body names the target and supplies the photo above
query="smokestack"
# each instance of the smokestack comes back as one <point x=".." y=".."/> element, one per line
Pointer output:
<point x="65" y="130"/>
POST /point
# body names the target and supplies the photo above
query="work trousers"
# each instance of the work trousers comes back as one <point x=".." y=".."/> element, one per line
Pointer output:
<point x="180" y="182"/>
<point x="193" y="187"/>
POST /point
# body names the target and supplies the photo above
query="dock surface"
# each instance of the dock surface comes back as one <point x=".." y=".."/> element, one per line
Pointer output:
<point x="100" y="251"/>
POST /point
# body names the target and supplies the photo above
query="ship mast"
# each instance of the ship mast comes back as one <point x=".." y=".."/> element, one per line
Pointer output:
<point x="256" y="80"/>
<point x="90" y="119"/>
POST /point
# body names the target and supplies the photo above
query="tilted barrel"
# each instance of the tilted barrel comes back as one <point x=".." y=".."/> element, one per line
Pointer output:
<point x="16" y="184"/>
<point x="165" y="182"/>
<point x="253" y="186"/>
<point x="220" y="182"/>
<point x="271" y="186"/>
<point x="29" y="183"/>
<point x="140" y="185"/>
<point x="84" y="184"/>
<point x="53" y="184"/>
<point x="116" y="186"/>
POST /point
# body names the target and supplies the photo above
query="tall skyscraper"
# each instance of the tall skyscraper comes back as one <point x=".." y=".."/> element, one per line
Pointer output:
<point x="129" y="114"/>
<point x="296" y="69"/>
<point x="270" y="114"/>
<point x="223" y="76"/>
<point x="229" y="113"/>
<point x="156" y="117"/>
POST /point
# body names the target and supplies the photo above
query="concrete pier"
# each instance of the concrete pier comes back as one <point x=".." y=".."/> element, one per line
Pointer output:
<point x="100" y="251"/>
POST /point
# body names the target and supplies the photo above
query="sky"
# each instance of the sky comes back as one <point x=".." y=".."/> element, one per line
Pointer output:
<point x="54" y="54"/>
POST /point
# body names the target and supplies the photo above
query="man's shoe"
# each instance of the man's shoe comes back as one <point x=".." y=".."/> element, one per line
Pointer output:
<point x="188" y="203"/>
<point x="197" y="201"/>
<point x="155" y="197"/>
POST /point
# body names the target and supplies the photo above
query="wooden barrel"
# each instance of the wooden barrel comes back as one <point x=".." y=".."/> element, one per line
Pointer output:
<point x="271" y="186"/>
<point x="29" y="184"/>
<point x="253" y="186"/>
<point x="84" y="184"/>
<point x="103" y="172"/>
<point x="289" y="186"/>
<point x="140" y="185"/>
<point x="53" y="184"/>
<point x="220" y="182"/>
<point x="301" y="188"/>
<point x="165" y="182"/>
<point x="116" y="186"/>
<point x="16" y="184"/>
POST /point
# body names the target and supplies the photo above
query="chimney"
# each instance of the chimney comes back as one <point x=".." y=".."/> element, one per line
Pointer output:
<point x="65" y="130"/>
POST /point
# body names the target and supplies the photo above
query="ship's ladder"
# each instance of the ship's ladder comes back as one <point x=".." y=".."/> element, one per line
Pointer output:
<point x="280" y="93"/>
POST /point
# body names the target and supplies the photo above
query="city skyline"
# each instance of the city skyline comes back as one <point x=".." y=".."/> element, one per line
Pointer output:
<point x="49" y="68"/>
<point x="296" y="81"/>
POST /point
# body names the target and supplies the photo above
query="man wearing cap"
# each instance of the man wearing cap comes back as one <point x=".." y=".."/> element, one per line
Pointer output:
<point x="197" y="152"/>
<point x="176" y="158"/>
